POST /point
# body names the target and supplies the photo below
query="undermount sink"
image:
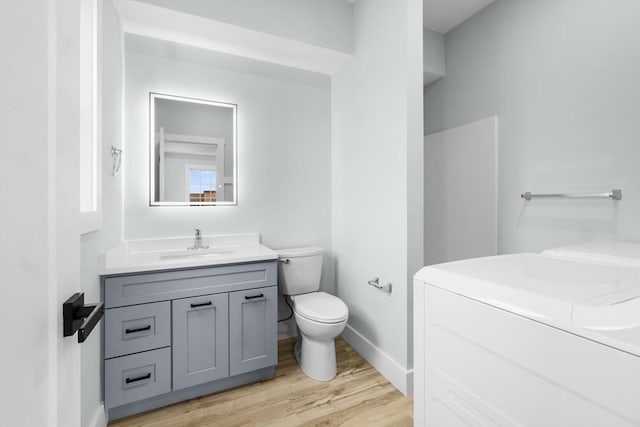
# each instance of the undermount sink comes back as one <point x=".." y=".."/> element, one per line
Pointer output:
<point x="194" y="253"/>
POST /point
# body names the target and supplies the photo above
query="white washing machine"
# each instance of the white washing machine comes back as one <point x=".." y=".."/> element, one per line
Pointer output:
<point x="529" y="340"/>
<point x="604" y="252"/>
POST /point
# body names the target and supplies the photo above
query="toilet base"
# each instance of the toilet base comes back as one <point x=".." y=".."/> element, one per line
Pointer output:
<point x="317" y="359"/>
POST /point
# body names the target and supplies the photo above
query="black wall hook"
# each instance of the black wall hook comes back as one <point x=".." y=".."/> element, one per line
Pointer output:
<point x="80" y="317"/>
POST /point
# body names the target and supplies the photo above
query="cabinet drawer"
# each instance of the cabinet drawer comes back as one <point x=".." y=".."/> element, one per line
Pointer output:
<point x="137" y="328"/>
<point x="167" y="285"/>
<point x="136" y="377"/>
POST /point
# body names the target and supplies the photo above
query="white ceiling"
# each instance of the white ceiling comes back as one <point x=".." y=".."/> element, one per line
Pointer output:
<point x="443" y="15"/>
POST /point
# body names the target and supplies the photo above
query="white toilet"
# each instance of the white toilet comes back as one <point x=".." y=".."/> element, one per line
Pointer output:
<point x="320" y="317"/>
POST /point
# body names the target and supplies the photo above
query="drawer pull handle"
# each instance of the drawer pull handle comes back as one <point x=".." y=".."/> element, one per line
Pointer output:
<point x="202" y="304"/>
<point x="133" y="380"/>
<point x="131" y="331"/>
<point x="253" y="296"/>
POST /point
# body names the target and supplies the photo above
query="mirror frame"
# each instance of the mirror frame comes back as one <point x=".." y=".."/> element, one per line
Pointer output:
<point x="152" y="154"/>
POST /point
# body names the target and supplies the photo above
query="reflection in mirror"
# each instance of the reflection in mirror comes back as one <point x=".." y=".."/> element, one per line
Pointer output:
<point x="193" y="151"/>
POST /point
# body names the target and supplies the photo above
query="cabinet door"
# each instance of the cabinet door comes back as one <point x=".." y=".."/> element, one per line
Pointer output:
<point x="253" y="340"/>
<point x="200" y="340"/>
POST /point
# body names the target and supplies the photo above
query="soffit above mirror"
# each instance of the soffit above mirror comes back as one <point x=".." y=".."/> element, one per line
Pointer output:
<point x="181" y="53"/>
<point x="301" y="20"/>
<point x="442" y="16"/>
<point x="166" y="24"/>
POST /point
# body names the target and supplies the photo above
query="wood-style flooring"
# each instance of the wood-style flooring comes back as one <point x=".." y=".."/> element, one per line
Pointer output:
<point x="358" y="396"/>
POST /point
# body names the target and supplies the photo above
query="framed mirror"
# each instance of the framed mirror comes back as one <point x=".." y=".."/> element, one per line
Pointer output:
<point x="192" y="151"/>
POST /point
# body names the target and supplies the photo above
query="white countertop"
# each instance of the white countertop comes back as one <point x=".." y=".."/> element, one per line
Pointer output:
<point x="135" y="256"/>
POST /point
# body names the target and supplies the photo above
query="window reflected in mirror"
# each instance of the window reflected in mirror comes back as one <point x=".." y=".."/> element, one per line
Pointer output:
<point x="193" y="151"/>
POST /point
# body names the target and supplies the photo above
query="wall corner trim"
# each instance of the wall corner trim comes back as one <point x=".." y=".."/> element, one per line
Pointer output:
<point x="400" y="377"/>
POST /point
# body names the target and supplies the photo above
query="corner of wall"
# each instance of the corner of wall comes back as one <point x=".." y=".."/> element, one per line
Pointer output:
<point x="400" y="377"/>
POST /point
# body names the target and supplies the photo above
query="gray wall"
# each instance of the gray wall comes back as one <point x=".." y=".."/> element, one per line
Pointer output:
<point x="283" y="147"/>
<point x="563" y="78"/>
<point x="433" y="59"/>
<point x="377" y="172"/>
<point x="92" y="244"/>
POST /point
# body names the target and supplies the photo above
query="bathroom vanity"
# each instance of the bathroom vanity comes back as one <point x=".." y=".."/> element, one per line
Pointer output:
<point x="181" y="324"/>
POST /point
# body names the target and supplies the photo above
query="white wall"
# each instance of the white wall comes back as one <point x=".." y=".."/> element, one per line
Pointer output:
<point x="112" y="123"/>
<point x="460" y="192"/>
<point x="92" y="244"/>
<point x="562" y="77"/>
<point x="91" y="361"/>
<point x="377" y="172"/>
<point x="325" y="23"/>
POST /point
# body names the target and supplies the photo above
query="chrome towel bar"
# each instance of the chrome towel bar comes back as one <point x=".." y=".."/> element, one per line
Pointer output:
<point x="615" y="194"/>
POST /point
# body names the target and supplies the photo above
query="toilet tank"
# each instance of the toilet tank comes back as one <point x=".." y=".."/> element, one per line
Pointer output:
<point x="299" y="270"/>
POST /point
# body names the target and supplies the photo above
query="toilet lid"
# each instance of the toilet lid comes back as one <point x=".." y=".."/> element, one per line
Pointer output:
<point x="321" y="307"/>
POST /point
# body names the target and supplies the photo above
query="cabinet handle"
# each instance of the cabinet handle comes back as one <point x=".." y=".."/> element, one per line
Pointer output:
<point x="133" y="380"/>
<point x="253" y="296"/>
<point x="202" y="304"/>
<point x="131" y="331"/>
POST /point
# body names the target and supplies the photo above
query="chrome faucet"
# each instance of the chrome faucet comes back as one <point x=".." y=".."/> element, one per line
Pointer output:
<point x="197" y="241"/>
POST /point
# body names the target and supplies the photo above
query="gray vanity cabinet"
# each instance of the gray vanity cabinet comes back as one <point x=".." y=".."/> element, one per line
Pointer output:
<point x="178" y="334"/>
<point x="253" y="338"/>
<point x="200" y="340"/>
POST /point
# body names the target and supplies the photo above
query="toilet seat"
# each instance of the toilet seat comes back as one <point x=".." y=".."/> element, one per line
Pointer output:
<point x="320" y="307"/>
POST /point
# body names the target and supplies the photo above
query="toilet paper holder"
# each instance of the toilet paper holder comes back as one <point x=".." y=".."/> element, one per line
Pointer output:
<point x="375" y="282"/>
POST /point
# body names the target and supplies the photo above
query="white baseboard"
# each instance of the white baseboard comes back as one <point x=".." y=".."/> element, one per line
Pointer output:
<point x="99" y="418"/>
<point x="400" y="377"/>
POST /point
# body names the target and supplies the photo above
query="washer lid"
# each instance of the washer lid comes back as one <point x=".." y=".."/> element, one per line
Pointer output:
<point x="608" y="252"/>
<point x="598" y="301"/>
<point x="321" y="307"/>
